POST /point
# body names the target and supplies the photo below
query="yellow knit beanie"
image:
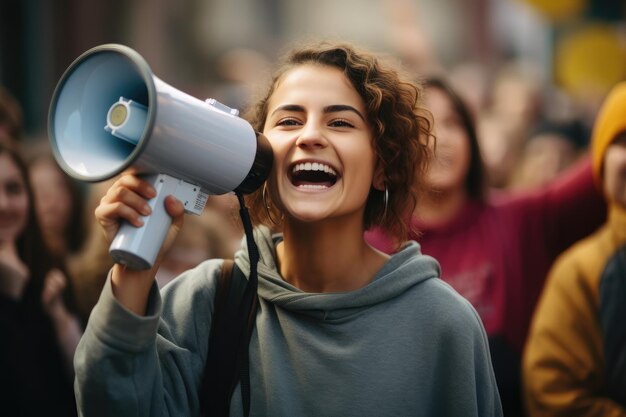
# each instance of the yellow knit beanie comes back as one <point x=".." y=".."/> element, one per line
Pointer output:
<point x="610" y="121"/>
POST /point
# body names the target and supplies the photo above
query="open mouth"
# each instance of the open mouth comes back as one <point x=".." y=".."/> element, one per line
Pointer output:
<point x="313" y="175"/>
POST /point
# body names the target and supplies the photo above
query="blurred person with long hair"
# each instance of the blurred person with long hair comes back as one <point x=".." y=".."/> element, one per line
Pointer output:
<point x="39" y="330"/>
<point x="495" y="248"/>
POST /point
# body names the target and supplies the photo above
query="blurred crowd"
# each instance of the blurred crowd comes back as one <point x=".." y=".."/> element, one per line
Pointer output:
<point x="54" y="260"/>
<point x="512" y="169"/>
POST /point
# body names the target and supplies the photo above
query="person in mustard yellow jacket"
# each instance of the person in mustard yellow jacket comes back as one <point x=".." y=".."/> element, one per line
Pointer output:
<point x="575" y="357"/>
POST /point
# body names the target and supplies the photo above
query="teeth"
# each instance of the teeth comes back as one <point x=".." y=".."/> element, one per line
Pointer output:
<point x="313" y="186"/>
<point x="314" y="166"/>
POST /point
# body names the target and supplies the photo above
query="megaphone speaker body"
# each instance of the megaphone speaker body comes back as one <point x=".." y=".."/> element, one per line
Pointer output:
<point x="110" y="114"/>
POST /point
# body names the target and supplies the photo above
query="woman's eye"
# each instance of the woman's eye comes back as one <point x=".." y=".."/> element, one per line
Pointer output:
<point x="341" y="123"/>
<point x="14" y="188"/>
<point x="287" y="122"/>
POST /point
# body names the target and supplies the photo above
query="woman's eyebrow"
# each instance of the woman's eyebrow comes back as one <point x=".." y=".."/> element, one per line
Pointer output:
<point x="342" y="107"/>
<point x="335" y="108"/>
<point x="289" y="107"/>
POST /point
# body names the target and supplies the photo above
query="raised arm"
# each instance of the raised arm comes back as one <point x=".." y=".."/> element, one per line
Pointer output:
<point x="562" y="212"/>
<point x="121" y="367"/>
<point x="126" y="200"/>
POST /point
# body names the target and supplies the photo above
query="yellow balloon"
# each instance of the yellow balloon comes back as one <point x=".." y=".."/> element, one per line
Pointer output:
<point x="559" y="9"/>
<point x="591" y="57"/>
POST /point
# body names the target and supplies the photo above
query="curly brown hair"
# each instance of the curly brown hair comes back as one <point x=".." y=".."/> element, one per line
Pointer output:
<point x="401" y="127"/>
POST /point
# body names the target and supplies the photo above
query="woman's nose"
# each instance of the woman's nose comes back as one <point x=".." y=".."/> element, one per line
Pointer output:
<point x="4" y="200"/>
<point x="311" y="135"/>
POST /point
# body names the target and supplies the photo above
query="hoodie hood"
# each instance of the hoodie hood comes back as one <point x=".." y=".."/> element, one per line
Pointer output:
<point x="405" y="269"/>
<point x="611" y="121"/>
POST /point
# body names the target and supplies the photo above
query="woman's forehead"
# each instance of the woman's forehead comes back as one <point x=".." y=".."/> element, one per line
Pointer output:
<point x="314" y="81"/>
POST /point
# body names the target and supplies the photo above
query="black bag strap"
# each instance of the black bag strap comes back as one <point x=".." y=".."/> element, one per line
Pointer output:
<point x="227" y="358"/>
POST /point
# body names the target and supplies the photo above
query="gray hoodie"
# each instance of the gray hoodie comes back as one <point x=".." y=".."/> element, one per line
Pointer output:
<point x="405" y="345"/>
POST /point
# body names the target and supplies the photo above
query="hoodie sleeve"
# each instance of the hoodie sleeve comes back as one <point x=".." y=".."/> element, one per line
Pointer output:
<point x="489" y="403"/>
<point x="152" y="365"/>
<point x="465" y="383"/>
<point x="486" y="389"/>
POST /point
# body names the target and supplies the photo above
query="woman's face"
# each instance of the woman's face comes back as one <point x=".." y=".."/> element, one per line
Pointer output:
<point x="53" y="200"/>
<point x="13" y="200"/>
<point x="324" y="160"/>
<point x="448" y="170"/>
<point x="615" y="171"/>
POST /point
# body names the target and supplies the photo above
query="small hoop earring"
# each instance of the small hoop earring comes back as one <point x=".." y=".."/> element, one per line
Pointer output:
<point x="267" y="206"/>
<point x="386" y="201"/>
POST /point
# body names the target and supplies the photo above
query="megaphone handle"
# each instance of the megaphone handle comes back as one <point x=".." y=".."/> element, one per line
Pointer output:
<point x="138" y="247"/>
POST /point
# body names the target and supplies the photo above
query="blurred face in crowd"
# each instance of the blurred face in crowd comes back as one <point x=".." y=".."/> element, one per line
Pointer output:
<point x="544" y="157"/>
<point x="615" y="171"/>
<point x="324" y="160"/>
<point x="449" y="168"/>
<point x="13" y="200"/>
<point x="53" y="200"/>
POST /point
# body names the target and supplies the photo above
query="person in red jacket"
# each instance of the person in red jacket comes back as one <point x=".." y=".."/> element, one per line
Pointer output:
<point x="495" y="249"/>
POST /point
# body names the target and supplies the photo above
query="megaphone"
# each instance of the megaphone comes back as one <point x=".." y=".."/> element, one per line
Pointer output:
<point x="109" y="113"/>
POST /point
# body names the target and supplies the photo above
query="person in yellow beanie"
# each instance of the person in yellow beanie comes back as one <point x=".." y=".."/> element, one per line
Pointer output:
<point x="575" y="357"/>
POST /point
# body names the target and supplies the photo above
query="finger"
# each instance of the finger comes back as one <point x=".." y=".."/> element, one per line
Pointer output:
<point x="109" y="215"/>
<point x="57" y="278"/>
<point x="128" y="197"/>
<point x="47" y="293"/>
<point x="137" y="184"/>
<point x="55" y="281"/>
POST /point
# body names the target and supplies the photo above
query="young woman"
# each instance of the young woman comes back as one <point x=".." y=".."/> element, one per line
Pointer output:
<point x="39" y="330"/>
<point x="494" y="249"/>
<point x="341" y="329"/>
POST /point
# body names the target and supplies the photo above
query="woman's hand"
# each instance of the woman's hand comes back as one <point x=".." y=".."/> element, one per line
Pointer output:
<point x="127" y="199"/>
<point x="52" y="294"/>
<point x="66" y="325"/>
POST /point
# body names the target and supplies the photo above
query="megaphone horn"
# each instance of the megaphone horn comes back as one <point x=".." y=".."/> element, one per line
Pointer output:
<point x="109" y="113"/>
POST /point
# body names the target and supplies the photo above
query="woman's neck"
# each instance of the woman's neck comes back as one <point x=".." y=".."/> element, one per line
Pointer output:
<point x="439" y="207"/>
<point x="328" y="256"/>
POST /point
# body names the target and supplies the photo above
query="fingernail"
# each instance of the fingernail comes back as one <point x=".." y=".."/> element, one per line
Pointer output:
<point x="146" y="209"/>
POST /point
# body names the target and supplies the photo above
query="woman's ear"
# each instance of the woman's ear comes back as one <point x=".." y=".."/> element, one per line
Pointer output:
<point x="378" y="182"/>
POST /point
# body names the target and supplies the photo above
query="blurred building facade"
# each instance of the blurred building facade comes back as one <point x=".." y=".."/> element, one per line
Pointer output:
<point x="187" y="42"/>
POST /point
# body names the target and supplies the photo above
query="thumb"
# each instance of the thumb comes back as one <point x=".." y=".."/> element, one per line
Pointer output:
<point x="176" y="210"/>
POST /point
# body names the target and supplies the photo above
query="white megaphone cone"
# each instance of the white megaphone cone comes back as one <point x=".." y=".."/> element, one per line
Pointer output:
<point x="109" y="113"/>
